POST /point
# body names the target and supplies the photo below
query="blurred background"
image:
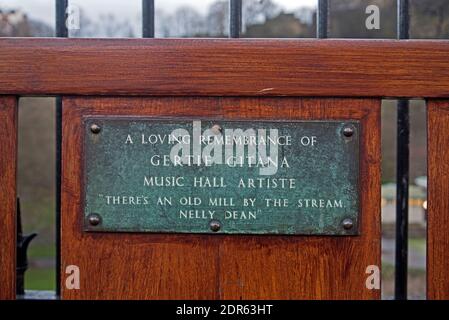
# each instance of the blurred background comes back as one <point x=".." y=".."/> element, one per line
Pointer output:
<point x="209" y="18"/>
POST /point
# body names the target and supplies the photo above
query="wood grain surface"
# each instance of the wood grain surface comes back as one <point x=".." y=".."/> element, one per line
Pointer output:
<point x="438" y="200"/>
<point x="224" y="67"/>
<point x="174" y="266"/>
<point x="8" y="157"/>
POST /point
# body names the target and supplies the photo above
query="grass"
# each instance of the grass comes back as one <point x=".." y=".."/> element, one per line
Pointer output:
<point x="40" y="279"/>
<point x="39" y="251"/>
<point x="419" y="244"/>
<point x="38" y="216"/>
<point x="387" y="271"/>
<point x="416" y="282"/>
<point x="36" y="277"/>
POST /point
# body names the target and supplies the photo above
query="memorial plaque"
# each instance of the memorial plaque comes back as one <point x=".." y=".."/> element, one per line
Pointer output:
<point x="174" y="175"/>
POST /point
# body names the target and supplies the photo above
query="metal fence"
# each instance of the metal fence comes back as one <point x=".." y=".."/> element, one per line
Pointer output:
<point x="235" y="27"/>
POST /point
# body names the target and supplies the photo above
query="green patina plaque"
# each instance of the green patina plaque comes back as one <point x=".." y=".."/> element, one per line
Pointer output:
<point x="176" y="175"/>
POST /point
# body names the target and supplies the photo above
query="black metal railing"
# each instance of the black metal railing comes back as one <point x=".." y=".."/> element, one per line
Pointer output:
<point x="235" y="19"/>
<point x="148" y="18"/>
<point x="322" y="19"/>
<point x="402" y="171"/>
<point x="235" y="27"/>
<point x="63" y="32"/>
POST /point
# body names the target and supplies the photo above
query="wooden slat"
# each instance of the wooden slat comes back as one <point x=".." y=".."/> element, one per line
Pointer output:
<point x="8" y="155"/>
<point x="438" y="200"/>
<point x="174" y="266"/>
<point x="120" y="265"/>
<point x="351" y="68"/>
<point x="310" y="267"/>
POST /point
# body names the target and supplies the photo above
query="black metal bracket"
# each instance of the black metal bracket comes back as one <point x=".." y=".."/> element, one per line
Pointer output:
<point x="23" y="241"/>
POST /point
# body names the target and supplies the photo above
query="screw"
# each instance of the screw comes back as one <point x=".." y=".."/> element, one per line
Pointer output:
<point x="348" y="131"/>
<point x="94" y="219"/>
<point x="216" y="129"/>
<point x="95" y="128"/>
<point x="347" y="224"/>
<point x="215" y="225"/>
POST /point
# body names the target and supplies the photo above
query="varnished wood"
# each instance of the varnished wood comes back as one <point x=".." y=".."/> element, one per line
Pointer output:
<point x="310" y="267"/>
<point x="438" y="200"/>
<point x="249" y="67"/>
<point x="130" y="266"/>
<point x="172" y="266"/>
<point x="8" y="158"/>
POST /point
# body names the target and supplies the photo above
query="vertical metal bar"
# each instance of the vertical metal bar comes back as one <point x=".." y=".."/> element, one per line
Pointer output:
<point x="63" y="32"/>
<point x="403" y="19"/>
<point x="322" y="19"/>
<point x="61" y="17"/>
<point x="148" y="18"/>
<point x="402" y="172"/>
<point x="235" y="23"/>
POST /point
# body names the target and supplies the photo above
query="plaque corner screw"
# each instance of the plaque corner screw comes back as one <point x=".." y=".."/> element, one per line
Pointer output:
<point x="215" y="225"/>
<point x="348" y="224"/>
<point x="348" y="131"/>
<point x="95" y="128"/>
<point x="217" y="129"/>
<point x="94" y="219"/>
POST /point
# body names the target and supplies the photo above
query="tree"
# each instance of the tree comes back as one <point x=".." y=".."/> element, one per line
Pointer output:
<point x="257" y="11"/>
<point x="431" y="18"/>
<point x="217" y="20"/>
<point x="349" y="17"/>
<point x="161" y="24"/>
<point x="87" y="27"/>
<point x="187" y="22"/>
<point x="107" y="25"/>
<point x="14" y="23"/>
<point x="284" y="25"/>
